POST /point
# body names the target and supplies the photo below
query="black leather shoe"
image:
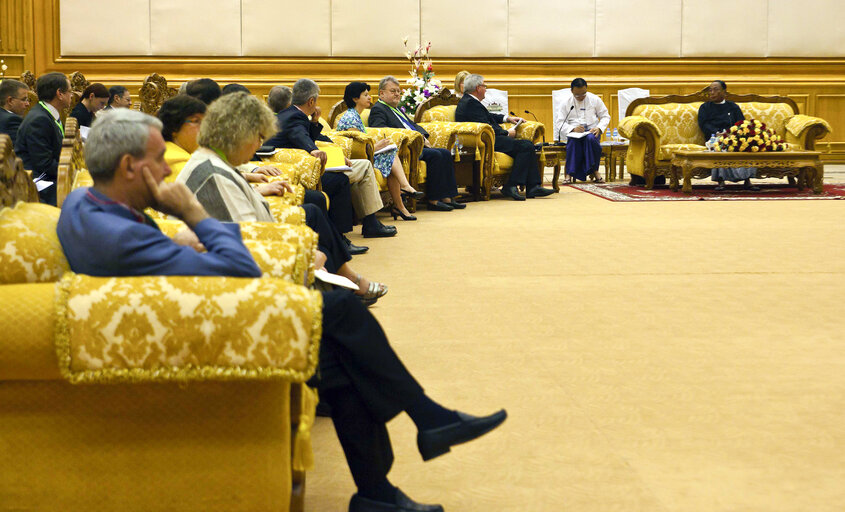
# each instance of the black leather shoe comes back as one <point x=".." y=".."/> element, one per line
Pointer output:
<point x="380" y="231"/>
<point x="456" y="205"/>
<point x="403" y="504"/>
<point x="440" y="206"/>
<point x="437" y="441"/>
<point x="513" y="193"/>
<point x="538" y="191"/>
<point x="353" y="249"/>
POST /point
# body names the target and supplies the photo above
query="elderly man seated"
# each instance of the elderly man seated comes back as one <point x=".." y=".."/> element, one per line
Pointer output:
<point x="104" y="232"/>
<point x="14" y="102"/>
<point x="525" y="170"/>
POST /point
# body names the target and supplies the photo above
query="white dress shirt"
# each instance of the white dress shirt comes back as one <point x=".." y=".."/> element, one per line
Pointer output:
<point x="590" y="112"/>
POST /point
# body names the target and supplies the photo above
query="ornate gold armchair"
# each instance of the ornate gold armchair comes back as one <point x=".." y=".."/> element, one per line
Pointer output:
<point x="141" y="384"/>
<point x="154" y="91"/>
<point x="437" y="116"/>
<point x="659" y="126"/>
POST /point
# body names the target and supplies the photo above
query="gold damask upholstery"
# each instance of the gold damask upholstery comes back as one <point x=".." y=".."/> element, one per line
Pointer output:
<point x="163" y="421"/>
<point x="659" y="126"/>
<point x="438" y="114"/>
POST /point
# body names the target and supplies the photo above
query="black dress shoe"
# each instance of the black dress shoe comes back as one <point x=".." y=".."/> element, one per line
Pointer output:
<point x="403" y="504"/>
<point x="456" y="205"/>
<point x="380" y="231"/>
<point x="437" y="441"/>
<point x="354" y="249"/>
<point x="411" y="195"/>
<point x="440" y="206"/>
<point x="538" y="191"/>
<point x="513" y="193"/>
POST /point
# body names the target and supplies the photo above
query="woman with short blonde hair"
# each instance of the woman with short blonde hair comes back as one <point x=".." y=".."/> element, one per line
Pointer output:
<point x="459" y="82"/>
<point x="232" y="130"/>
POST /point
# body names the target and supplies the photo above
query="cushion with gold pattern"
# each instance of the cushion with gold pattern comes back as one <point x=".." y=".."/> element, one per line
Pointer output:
<point x="678" y="122"/>
<point x="667" y="151"/>
<point x="180" y="328"/>
<point x="443" y="113"/>
<point x="30" y="251"/>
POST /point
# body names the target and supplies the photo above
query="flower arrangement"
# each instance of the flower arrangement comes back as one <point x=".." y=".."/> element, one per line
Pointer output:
<point x="749" y="136"/>
<point x="422" y="83"/>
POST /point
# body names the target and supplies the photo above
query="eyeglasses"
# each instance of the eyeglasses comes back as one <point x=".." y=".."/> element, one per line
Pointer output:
<point x="25" y="99"/>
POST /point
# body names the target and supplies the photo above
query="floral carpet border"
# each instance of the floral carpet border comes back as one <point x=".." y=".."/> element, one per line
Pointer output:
<point x="618" y="192"/>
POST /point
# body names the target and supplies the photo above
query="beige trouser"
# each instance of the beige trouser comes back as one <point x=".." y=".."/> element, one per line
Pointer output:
<point x="366" y="198"/>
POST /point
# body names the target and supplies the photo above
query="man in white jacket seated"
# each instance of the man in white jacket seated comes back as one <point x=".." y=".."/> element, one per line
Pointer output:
<point x="585" y="118"/>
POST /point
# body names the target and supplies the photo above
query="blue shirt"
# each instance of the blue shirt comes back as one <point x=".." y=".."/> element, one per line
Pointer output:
<point x="102" y="237"/>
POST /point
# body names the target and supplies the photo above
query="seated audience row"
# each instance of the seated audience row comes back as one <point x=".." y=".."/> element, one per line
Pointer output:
<point x="104" y="232"/>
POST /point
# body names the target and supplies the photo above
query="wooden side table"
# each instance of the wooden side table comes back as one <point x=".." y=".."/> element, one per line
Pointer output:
<point x="555" y="157"/>
<point x="805" y="165"/>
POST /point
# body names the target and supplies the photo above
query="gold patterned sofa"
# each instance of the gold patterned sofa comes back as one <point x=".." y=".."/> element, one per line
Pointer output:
<point x="437" y="116"/>
<point x="659" y="126"/>
<point x="150" y="393"/>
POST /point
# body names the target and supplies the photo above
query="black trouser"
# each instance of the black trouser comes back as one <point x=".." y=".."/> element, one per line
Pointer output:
<point x="330" y="241"/>
<point x="525" y="170"/>
<point x="48" y="195"/>
<point x="336" y="186"/>
<point x="318" y="199"/>
<point x="364" y="383"/>
<point x="440" y="174"/>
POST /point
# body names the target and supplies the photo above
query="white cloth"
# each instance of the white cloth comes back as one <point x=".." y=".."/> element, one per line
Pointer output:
<point x="559" y="97"/>
<point x="590" y="112"/>
<point x="626" y="96"/>
<point x="496" y="101"/>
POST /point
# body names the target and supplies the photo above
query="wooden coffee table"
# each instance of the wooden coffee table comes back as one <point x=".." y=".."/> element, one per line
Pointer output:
<point x="555" y="157"/>
<point x="803" y="165"/>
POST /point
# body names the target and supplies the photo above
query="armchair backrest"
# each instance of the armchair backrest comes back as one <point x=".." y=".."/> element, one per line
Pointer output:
<point x="444" y="99"/>
<point x="339" y="108"/>
<point x="154" y="91"/>
<point x="15" y="183"/>
<point x="71" y="160"/>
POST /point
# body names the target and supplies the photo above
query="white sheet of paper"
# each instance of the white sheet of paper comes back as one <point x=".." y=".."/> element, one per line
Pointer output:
<point x="42" y="184"/>
<point x="328" y="277"/>
<point x="576" y="135"/>
<point x="389" y="147"/>
<point x="83" y="132"/>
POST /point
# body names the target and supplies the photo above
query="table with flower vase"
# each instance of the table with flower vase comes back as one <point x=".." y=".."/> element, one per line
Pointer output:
<point x="806" y="166"/>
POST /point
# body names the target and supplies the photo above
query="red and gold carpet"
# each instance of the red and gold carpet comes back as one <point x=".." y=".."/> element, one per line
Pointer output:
<point x="768" y="191"/>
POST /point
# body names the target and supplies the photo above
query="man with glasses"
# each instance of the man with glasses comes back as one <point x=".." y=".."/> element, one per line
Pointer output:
<point x="440" y="186"/>
<point x="39" y="141"/>
<point x="14" y="102"/>
<point x="525" y="171"/>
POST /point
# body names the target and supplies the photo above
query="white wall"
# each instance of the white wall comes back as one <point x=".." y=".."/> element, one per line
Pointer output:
<point x="464" y="28"/>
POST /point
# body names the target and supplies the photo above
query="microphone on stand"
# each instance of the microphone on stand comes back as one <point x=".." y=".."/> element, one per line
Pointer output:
<point x="562" y="124"/>
<point x="535" y="118"/>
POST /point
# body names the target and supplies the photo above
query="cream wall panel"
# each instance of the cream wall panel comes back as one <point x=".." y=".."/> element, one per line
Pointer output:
<point x="465" y="28"/>
<point x="810" y="28"/>
<point x="270" y="30"/>
<point x="539" y="31"/>
<point x="709" y="32"/>
<point x="195" y="27"/>
<point x="361" y="28"/>
<point x="641" y="28"/>
<point x="120" y="27"/>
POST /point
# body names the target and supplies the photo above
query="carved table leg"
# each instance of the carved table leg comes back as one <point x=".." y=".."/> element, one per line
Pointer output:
<point x="818" y="181"/>
<point x="802" y="178"/>
<point x="673" y="178"/>
<point x="556" y="177"/>
<point x="687" y="169"/>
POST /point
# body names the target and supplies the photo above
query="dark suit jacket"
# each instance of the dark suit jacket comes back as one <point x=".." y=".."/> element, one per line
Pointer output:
<point x="382" y="117"/>
<point x="296" y="131"/>
<point x="39" y="142"/>
<point x="9" y="123"/>
<point x="470" y="110"/>
<point x="82" y="114"/>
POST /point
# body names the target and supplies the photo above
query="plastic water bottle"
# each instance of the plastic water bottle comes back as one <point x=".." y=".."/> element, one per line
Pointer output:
<point x="711" y="144"/>
<point x="615" y="136"/>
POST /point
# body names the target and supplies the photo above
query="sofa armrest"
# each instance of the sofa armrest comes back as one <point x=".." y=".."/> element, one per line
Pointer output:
<point x="643" y="140"/>
<point x="356" y="145"/>
<point x="529" y="130"/>
<point x="804" y="131"/>
<point x="184" y="328"/>
<point x="409" y="145"/>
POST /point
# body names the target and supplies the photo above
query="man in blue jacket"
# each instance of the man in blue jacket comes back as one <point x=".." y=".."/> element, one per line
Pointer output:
<point x="104" y="232"/>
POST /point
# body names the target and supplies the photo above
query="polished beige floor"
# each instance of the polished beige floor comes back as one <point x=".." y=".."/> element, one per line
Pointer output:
<point x="683" y="356"/>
